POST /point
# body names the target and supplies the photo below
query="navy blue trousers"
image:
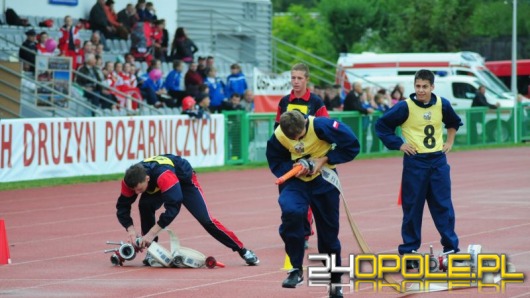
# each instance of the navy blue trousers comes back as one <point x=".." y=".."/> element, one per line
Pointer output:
<point x="426" y="178"/>
<point x="295" y="198"/>
<point x="193" y="200"/>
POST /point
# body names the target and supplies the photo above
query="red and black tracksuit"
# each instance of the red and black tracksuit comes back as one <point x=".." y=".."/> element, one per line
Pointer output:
<point x="172" y="182"/>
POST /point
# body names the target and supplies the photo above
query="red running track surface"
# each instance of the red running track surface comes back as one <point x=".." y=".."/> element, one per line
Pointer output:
<point x="57" y="235"/>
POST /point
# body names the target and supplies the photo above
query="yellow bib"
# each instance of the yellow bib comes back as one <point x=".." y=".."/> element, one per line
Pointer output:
<point x="160" y="160"/>
<point x="310" y="146"/>
<point x="423" y="129"/>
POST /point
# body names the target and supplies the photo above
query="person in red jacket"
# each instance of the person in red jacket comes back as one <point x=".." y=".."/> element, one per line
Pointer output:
<point x="192" y="80"/>
<point x="68" y="39"/>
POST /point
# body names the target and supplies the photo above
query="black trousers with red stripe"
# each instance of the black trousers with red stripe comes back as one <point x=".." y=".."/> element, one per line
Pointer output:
<point x="193" y="200"/>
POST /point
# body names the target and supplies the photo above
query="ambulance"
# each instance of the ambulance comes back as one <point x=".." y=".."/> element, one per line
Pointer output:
<point x="355" y="67"/>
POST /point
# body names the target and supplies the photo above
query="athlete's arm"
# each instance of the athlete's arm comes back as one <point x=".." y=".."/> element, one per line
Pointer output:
<point x="448" y="145"/>
<point x="346" y="145"/>
<point x="449" y="117"/>
<point x="123" y="205"/>
<point x="278" y="157"/>
<point x="169" y="186"/>
<point x="385" y="127"/>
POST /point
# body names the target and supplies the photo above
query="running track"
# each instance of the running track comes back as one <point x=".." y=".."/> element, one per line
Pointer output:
<point x="57" y="235"/>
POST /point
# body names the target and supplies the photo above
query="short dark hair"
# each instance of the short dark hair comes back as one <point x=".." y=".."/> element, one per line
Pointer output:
<point x="135" y="175"/>
<point x="292" y="123"/>
<point x="176" y="63"/>
<point x="301" y="67"/>
<point x="424" y="74"/>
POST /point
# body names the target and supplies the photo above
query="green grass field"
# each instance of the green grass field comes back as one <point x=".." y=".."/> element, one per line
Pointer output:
<point x="112" y="177"/>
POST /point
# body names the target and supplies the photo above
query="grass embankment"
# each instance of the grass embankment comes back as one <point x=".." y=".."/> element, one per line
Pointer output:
<point x="113" y="177"/>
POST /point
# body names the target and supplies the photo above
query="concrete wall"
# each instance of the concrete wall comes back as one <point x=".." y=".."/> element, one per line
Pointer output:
<point x="234" y="30"/>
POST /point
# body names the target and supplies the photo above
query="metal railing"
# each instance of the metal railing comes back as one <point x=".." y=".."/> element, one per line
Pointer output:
<point x="247" y="133"/>
<point x="10" y="54"/>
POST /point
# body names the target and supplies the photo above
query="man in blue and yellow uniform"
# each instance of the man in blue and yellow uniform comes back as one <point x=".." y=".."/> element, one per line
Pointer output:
<point x="425" y="174"/>
<point x="313" y="142"/>
<point x="310" y="104"/>
<point x="169" y="180"/>
<point x="301" y="98"/>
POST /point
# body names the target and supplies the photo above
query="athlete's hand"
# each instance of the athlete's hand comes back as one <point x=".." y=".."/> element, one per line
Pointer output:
<point x="408" y="149"/>
<point x="147" y="239"/>
<point x="131" y="233"/>
<point x="150" y="236"/>
<point x="319" y="163"/>
<point x="307" y="167"/>
<point x="447" y="147"/>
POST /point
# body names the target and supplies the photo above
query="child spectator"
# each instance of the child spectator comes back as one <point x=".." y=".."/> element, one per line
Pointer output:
<point x="203" y="100"/>
<point x="192" y="80"/>
<point x="46" y="45"/>
<point x="236" y="81"/>
<point x="216" y="90"/>
<point x="396" y="95"/>
<point x="69" y="41"/>
<point x="380" y="103"/>
<point x="190" y="108"/>
<point x="172" y="83"/>
<point x="127" y="84"/>
<point x="153" y="88"/>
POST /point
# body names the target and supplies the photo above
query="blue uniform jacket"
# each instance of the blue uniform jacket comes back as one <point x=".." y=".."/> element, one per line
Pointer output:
<point x="164" y="181"/>
<point x="154" y="85"/>
<point x="216" y="88"/>
<point x="398" y="114"/>
<point x="235" y="83"/>
<point x="334" y="132"/>
<point x="172" y="82"/>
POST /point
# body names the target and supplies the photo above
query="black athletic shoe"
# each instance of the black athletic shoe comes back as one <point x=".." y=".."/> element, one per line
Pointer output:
<point x="294" y="279"/>
<point x="249" y="257"/>
<point x="335" y="292"/>
<point x="148" y="260"/>
<point x="413" y="264"/>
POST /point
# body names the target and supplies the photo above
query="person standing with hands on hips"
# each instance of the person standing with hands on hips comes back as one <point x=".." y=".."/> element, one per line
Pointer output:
<point x="169" y="180"/>
<point x="426" y="173"/>
<point x="314" y="143"/>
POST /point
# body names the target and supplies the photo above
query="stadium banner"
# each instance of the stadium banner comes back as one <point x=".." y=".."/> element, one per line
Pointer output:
<point x="269" y="89"/>
<point x="40" y="148"/>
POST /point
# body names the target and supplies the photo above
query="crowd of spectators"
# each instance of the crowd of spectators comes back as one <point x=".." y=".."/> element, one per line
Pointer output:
<point x="120" y="83"/>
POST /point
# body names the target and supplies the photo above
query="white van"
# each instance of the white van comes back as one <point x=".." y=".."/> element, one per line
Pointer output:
<point x="460" y="91"/>
<point x="352" y="67"/>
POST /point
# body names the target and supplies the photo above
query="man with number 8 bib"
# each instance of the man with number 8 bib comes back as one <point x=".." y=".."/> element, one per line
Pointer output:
<point x="425" y="177"/>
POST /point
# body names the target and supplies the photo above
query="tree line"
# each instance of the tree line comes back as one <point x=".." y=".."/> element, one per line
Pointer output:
<point x="327" y="28"/>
